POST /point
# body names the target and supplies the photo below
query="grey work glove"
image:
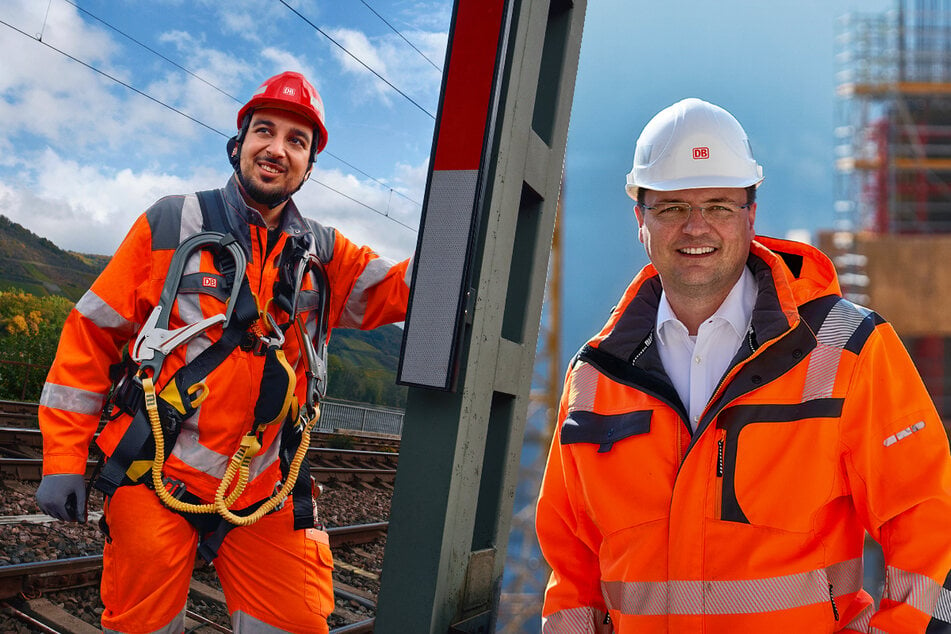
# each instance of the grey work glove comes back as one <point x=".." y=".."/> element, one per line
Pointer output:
<point x="63" y="495"/>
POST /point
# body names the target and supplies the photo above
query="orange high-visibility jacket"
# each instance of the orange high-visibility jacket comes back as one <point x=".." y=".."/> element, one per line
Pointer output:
<point x="366" y="291"/>
<point x="820" y="431"/>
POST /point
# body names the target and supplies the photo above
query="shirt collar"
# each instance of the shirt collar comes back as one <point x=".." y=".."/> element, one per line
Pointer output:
<point x="666" y="320"/>
<point x="736" y="309"/>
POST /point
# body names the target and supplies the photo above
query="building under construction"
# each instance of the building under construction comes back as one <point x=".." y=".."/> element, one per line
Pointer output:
<point x="892" y="240"/>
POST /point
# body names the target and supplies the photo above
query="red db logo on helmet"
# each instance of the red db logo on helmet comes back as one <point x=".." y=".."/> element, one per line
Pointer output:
<point x="701" y="152"/>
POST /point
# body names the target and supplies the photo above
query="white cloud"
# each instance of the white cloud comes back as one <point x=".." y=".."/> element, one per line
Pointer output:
<point x="89" y="209"/>
<point x="394" y="60"/>
<point x="431" y="16"/>
<point x="45" y="94"/>
<point x="361" y="49"/>
<point x="83" y="156"/>
<point x="281" y="60"/>
<point x="365" y="221"/>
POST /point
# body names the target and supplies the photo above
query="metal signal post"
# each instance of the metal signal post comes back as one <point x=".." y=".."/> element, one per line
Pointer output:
<point x="472" y="328"/>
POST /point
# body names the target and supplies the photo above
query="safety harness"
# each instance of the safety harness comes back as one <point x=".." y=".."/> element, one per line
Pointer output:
<point x="157" y="417"/>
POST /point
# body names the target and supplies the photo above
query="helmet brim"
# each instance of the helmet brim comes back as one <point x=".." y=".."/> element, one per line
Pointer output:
<point x="276" y="104"/>
<point x="696" y="182"/>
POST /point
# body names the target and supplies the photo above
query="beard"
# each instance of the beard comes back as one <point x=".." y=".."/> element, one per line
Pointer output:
<point x="263" y="194"/>
<point x="270" y="197"/>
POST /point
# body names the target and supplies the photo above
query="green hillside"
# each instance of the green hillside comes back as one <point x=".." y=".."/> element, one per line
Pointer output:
<point x="362" y="366"/>
<point x="37" y="266"/>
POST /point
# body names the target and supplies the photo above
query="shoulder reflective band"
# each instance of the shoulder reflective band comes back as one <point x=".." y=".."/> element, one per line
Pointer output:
<point x="451" y="208"/>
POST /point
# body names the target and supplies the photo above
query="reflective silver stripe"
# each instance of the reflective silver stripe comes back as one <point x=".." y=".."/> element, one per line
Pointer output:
<point x="189" y="311"/>
<point x="174" y="626"/>
<point x="355" y="309"/>
<point x="195" y="455"/>
<point x="72" y="399"/>
<point x="93" y="308"/>
<point x="942" y="609"/>
<point x="262" y="461"/>
<point x="742" y="596"/>
<point x="583" y="390"/>
<point x="408" y="278"/>
<point x="920" y="592"/>
<point x="242" y="623"/>
<point x="839" y="326"/>
<point x="191" y="218"/>
<point x="862" y="620"/>
<point x="189" y="307"/>
<point x="576" y="621"/>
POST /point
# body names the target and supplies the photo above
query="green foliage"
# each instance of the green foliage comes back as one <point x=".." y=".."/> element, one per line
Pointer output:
<point x="341" y="441"/>
<point x="29" y="333"/>
<point x="362" y="383"/>
<point x="30" y="327"/>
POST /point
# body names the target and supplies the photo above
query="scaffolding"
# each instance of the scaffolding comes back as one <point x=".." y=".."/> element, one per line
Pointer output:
<point x="892" y="236"/>
<point x="895" y="132"/>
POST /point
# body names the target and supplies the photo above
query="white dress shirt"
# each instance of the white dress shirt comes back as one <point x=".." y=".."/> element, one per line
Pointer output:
<point x="695" y="364"/>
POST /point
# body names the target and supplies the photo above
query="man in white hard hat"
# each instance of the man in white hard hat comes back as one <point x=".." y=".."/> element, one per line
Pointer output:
<point x="727" y="439"/>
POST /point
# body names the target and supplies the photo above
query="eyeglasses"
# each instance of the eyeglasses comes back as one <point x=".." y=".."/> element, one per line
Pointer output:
<point x="676" y="212"/>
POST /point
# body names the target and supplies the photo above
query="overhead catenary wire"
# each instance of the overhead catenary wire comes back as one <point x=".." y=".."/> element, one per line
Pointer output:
<point x="229" y="95"/>
<point x="357" y="59"/>
<point x="151" y="50"/>
<point x="403" y="37"/>
<point x="113" y="78"/>
<point x="36" y="38"/>
<point x="363" y="204"/>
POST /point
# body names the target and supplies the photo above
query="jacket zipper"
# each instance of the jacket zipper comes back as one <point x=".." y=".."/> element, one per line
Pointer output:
<point x="720" y="450"/>
<point x="718" y="488"/>
<point x="835" y="609"/>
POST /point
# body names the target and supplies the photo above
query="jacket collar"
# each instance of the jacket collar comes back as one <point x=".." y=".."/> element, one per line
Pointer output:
<point x="786" y="274"/>
<point x="242" y="217"/>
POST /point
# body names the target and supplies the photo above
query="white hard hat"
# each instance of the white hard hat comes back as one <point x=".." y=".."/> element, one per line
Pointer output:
<point x="690" y="145"/>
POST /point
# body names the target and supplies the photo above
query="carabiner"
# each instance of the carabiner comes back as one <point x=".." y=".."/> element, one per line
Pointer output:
<point x="155" y="341"/>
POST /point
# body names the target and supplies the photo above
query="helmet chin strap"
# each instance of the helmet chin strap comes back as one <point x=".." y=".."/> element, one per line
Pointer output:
<point x="234" y="156"/>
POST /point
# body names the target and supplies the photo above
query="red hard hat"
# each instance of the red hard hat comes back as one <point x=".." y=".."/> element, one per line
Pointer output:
<point x="290" y="91"/>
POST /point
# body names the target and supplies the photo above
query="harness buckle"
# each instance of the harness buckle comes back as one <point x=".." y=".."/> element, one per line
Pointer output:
<point x="251" y="445"/>
<point x="175" y="488"/>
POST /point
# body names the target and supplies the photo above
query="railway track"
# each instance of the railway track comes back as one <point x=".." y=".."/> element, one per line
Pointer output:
<point x="21" y="448"/>
<point x="357" y="473"/>
<point x="24" y="414"/>
<point x="24" y="588"/>
<point x="31" y="470"/>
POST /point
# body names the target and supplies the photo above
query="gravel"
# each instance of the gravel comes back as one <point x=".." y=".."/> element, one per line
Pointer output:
<point x="338" y="505"/>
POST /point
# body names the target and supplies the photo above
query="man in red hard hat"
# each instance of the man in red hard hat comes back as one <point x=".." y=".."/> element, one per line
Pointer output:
<point x="225" y="299"/>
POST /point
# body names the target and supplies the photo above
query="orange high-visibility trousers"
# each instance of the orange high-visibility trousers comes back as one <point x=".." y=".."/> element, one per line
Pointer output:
<point x="271" y="574"/>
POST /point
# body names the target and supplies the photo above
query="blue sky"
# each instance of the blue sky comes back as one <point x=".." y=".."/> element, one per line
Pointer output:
<point x="83" y="155"/>
<point x="770" y="63"/>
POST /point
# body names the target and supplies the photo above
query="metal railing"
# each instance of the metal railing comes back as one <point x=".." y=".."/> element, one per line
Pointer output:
<point x="365" y="418"/>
